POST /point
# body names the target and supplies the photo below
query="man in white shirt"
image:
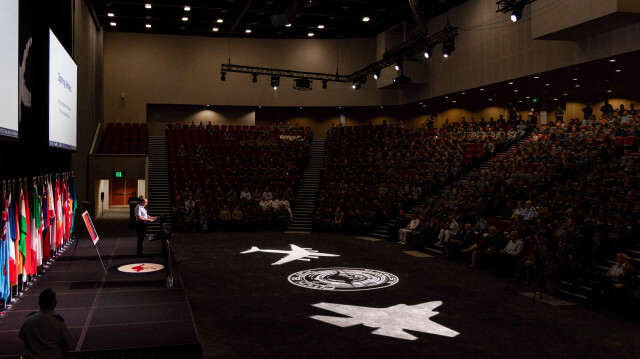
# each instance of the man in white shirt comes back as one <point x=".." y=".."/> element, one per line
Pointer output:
<point x="245" y="195"/>
<point x="508" y="256"/>
<point x="267" y="195"/>
<point x="409" y="229"/>
<point x="141" y="223"/>
<point x="445" y="234"/>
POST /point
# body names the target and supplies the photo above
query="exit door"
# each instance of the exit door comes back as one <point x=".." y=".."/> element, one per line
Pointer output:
<point x="120" y="191"/>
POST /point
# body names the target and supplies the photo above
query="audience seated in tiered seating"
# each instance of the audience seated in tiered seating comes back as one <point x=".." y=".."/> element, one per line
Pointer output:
<point x="576" y="187"/>
<point x="125" y="138"/>
<point x="371" y="172"/>
<point x="235" y="177"/>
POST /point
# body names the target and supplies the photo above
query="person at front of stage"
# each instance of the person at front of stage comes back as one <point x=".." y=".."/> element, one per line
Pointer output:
<point x="133" y="202"/>
<point x="44" y="333"/>
<point x="141" y="223"/>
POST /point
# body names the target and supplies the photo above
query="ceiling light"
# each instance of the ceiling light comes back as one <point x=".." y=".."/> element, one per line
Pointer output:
<point x="185" y="19"/>
<point x="215" y="29"/>
<point x="481" y="89"/>
<point x="446" y="97"/>
<point x="564" y="94"/>
<point x="463" y="93"/>
<point x="536" y="77"/>
<point x="366" y="19"/>
<point x="515" y="90"/>
<point x="510" y="83"/>
<point x="287" y="25"/>
<point x="187" y="8"/>
<point x="320" y="26"/>
<point x="148" y="26"/>
<point x="547" y="84"/>
<point x="527" y="97"/>
<point x="220" y="21"/>
<point x="112" y="23"/>
<point x="612" y="60"/>
<point x="147" y="6"/>
<point x="575" y="79"/>
<point x="555" y="99"/>
<point x="618" y="70"/>
<point x="255" y="77"/>
<point x="577" y="85"/>
<point x="110" y="14"/>
<point x="275" y="82"/>
<point x="310" y="34"/>
<point x="490" y="99"/>
<point x="223" y="75"/>
<point x="356" y="86"/>
<point x="247" y="31"/>
<point x="608" y="90"/>
<point x="454" y="101"/>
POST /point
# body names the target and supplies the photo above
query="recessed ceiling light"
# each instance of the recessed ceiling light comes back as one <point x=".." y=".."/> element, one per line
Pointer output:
<point x="421" y="102"/>
<point x="147" y="6"/>
<point x="187" y="8"/>
<point x="148" y="26"/>
<point x="577" y="85"/>
<point x="608" y="90"/>
<point x="481" y="89"/>
<point x="301" y="107"/>
<point x="247" y="31"/>
<point x="612" y="60"/>
<point x="215" y="29"/>
<point x="555" y="99"/>
<point x="520" y="101"/>
<point x="547" y="84"/>
<point x="446" y="97"/>
<point x="515" y="90"/>
<point x="288" y="25"/>
<point x="366" y="19"/>
<point x="527" y="97"/>
<point x="454" y="101"/>
<point x="381" y="106"/>
<point x="310" y="34"/>
<point x="510" y="83"/>
<point x="424" y="105"/>
<point x="110" y="14"/>
<point x="575" y="79"/>
<point x="320" y="26"/>
<point x="536" y="77"/>
<point x="564" y="94"/>
<point x="464" y="93"/>
<point x="185" y="19"/>
<point x="220" y="21"/>
<point x="618" y="70"/>
<point x="112" y="23"/>
<point x="490" y="99"/>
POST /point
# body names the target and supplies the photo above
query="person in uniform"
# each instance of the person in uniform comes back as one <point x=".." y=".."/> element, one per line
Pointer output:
<point x="44" y="333"/>
<point x="141" y="223"/>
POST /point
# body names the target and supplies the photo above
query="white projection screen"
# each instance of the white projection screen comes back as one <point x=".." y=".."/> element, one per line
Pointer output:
<point x="63" y="96"/>
<point x="9" y="92"/>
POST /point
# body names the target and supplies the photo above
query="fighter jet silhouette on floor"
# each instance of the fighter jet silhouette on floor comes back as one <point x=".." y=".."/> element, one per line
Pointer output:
<point x="391" y="321"/>
<point x="296" y="253"/>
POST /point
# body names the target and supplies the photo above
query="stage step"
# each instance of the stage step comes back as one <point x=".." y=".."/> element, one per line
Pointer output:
<point x="158" y="189"/>
<point x="309" y="186"/>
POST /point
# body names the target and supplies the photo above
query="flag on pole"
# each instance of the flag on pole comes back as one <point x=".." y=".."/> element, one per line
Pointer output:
<point x="36" y="240"/>
<point x="29" y="259"/>
<point x="13" y="260"/>
<point x="59" y="218"/>
<point x="5" y="251"/>
<point x="74" y="202"/>
<point x="22" y="241"/>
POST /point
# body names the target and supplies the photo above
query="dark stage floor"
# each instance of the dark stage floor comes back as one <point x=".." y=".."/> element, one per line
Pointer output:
<point x="110" y="310"/>
<point x="245" y="307"/>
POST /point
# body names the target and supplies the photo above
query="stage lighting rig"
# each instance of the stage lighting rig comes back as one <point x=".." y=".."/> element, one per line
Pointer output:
<point x="428" y="52"/>
<point x="223" y="75"/>
<point x="275" y="82"/>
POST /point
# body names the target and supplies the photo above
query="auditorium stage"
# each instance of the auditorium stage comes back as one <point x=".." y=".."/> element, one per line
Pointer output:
<point x="113" y="310"/>
<point x="246" y="307"/>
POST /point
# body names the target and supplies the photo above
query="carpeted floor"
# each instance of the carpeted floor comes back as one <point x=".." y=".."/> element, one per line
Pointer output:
<point x="245" y="307"/>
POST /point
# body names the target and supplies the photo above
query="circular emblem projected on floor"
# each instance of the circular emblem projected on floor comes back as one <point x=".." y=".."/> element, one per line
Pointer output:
<point x="343" y="279"/>
<point x="140" y="268"/>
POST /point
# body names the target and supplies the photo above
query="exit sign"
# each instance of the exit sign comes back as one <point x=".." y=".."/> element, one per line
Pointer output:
<point x="118" y="174"/>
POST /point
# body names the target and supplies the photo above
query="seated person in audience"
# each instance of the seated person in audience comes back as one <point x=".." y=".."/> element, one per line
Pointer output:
<point x="450" y="228"/>
<point x="267" y="195"/>
<point x="237" y="216"/>
<point x="190" y="219"/>
<point x="225" y="217"/>
<point x="245" y="195"/>
<point x="464" y="239"/>
<point x="338" y="219"/>
<point x="203" y="219"/>
<point x="506" y="258"/>
<point x="190" y="204"/>
<point x="403" y="232"/>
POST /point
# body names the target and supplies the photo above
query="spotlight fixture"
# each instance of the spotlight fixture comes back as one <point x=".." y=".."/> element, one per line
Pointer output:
<point x="223" y="75"/>
<point x="402" y="79"/>
<point x="187" y="8"/>
<point x="399" y="65"/>
<point x="428" y="52"/>
<point x="356" y="86"/>
<point x="448" y="46"/>
<point x="275" y="82"/>
<point x="255" y="77"/>
<point x="324" y="84"/>
<point x="147" y="6"/>
<point x="376" y="75"/>
<point x="517" y="13"/>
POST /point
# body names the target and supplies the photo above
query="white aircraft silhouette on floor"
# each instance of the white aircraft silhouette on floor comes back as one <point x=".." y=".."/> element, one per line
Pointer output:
<point x="391" y="321"/>
<point x="296" y="253"/>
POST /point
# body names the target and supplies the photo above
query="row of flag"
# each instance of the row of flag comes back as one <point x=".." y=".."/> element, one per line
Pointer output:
<point x="37" y="220"/>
